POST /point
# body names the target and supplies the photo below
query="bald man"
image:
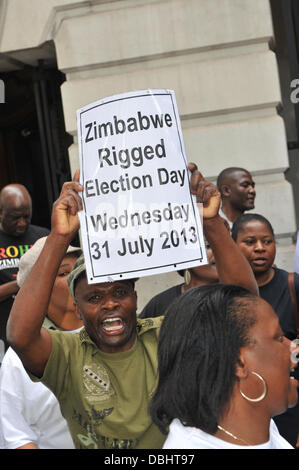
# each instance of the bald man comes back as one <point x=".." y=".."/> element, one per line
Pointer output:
<point x="237" y="190"/>
<point x="17" y="235"/>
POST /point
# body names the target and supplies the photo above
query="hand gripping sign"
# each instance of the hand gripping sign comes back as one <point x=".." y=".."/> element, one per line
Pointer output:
<point x="139" y="217"/>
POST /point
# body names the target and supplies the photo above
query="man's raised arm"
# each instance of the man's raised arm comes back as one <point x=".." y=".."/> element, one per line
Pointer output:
<point x="24" y="328"/>
<point x="231" y="264"/>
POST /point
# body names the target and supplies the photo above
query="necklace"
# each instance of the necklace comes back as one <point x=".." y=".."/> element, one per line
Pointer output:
<point x="232" y="435"/>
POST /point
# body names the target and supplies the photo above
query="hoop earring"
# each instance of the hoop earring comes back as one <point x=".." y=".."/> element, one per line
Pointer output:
<point x="187" y="276"/>
<point x="262" y="396"/>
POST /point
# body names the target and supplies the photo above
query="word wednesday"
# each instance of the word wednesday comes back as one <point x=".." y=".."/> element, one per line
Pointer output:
<point x="126" y="219"/>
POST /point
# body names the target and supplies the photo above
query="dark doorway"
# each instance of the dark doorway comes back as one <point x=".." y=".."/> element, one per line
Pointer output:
<point x="33" y="141"/>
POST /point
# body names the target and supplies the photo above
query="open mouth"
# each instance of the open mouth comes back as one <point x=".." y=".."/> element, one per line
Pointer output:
<point x="113" y="325"/>
<point x="259" y="261"/>
<point x="20" y="230"/>
<point x="250" y="202"/>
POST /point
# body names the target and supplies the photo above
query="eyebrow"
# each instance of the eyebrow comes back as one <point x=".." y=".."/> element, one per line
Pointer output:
<point x="247" y="180"/>
<point x="100" y="289"/>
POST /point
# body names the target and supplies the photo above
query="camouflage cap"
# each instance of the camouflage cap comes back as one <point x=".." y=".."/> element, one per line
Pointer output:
<point x="78" y="269"/>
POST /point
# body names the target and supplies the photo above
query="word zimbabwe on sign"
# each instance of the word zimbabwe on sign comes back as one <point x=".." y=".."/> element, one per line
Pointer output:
<point x="139" y="216"/>
<point x="96" y="130"/>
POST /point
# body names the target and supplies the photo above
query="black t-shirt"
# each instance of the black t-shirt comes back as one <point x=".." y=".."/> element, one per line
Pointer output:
<point x="277" y="294"/>
<point x="158" y="305"/>
<point x="11" y="250"/>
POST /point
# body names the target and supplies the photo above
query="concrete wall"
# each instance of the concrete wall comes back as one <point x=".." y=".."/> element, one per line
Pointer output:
<point x="215" y="54"/>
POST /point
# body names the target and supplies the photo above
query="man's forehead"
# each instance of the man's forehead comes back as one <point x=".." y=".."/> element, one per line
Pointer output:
<point x="16" y="201"/>
<point x="104" y="285"/>
<point x="18" y="210"/>
<point x="240" y="175"/>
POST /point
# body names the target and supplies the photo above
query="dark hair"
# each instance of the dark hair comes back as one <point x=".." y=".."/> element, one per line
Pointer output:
<point x="227" y="173"/>
<point x="238" y="225"/>
<point x="198" y="350"/>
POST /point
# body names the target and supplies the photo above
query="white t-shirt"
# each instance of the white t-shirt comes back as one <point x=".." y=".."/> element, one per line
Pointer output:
<point x="29" y="411"/>
<point x="222" y="214"/>
<point x="184" y="437"/>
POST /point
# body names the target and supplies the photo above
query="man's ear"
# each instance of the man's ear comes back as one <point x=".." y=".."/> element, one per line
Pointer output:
<point x="77" y="311"/>
<point x="225" y="190"/>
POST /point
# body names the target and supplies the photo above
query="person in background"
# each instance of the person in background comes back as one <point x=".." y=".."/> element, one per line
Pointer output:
<point x="206" y="274"/>
<point x="254" y="235"/>
<point x="30" y="416"/>
<point x="224" y="371"/>
<point x="17" y="235"/>
<point x="237" y="190"/>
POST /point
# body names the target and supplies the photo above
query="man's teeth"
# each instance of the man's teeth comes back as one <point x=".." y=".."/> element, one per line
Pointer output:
<point x="112" y="324"/>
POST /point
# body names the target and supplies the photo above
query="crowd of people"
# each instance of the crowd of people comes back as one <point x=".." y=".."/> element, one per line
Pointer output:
<point x="206" y="364"/>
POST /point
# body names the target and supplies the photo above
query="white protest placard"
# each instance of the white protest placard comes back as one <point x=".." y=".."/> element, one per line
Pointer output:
<point x="139" y="217"/>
